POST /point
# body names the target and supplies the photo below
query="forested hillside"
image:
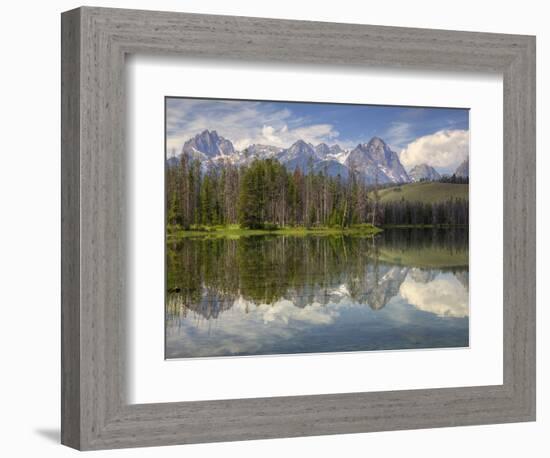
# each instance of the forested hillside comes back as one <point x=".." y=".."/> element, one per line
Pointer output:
<point x="265" y="194"/>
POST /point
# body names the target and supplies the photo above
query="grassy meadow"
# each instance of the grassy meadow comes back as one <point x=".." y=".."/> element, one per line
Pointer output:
<point x="425" y="192"/>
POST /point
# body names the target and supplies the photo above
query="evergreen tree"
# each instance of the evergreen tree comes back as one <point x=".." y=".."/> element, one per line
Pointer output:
<point x="264" y="193"/>
<point x="252" y="197"/>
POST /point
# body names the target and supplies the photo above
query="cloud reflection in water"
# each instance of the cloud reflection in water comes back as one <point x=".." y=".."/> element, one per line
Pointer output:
<point x="356" y="303"/>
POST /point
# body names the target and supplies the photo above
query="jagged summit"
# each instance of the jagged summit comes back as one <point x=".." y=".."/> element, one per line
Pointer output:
<point x="377" y="162"/>
<point x="423" y="172"/>
<point x="374" y="160"/>
<point x="376" y="141"/>
<point x="208" y="144"/>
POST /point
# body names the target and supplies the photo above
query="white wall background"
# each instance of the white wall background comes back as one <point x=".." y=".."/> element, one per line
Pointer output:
<point x="30" y="228"/>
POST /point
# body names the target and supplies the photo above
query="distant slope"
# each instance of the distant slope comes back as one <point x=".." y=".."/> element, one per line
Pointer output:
<point x="424" y="257"/>
<point x="463" y="170"/>
<point x="428" y="192"/>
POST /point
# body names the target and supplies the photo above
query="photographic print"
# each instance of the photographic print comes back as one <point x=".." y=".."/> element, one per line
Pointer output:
<point x="306" y="227"/>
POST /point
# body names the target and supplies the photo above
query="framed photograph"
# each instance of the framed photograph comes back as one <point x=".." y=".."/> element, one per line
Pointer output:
<point x="277" y="228"/>
<point x="305" y="247"/>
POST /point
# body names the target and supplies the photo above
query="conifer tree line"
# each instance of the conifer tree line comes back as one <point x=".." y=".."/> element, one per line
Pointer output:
<point x="454" y="179"/>
<point x="264" y="194"/>
<point x="450" y="212"/>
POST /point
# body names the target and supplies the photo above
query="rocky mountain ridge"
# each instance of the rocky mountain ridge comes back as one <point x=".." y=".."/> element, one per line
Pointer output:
<point x="374" y="160"/>
<point x="423" y="172"/>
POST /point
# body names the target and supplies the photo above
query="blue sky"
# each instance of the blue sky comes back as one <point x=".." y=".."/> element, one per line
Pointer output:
<point x="438" y="136"/>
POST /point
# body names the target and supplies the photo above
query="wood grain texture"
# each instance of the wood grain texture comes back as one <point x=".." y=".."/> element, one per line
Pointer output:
<point x="96" y="414"/>
<point x="70" y="229"/>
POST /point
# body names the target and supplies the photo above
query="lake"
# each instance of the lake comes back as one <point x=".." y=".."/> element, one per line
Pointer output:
<point x="275" y="294"/>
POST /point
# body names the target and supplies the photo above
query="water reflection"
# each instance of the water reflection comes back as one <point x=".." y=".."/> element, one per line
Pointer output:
<point x="279" y="294"/>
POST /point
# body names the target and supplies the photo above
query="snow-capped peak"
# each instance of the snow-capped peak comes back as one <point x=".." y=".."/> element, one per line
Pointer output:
<point x="374" y="160"/>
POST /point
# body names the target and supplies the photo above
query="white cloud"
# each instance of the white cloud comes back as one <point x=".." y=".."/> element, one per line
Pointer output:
<point x="445" y="150"/>
<point x="247" y="327"/>
<point x="444" y="296"/>
<point x="284" y="310"/>
<point x="398" y="134"/>
<point x="284" y="136"/>
<point x="242" y="123"/>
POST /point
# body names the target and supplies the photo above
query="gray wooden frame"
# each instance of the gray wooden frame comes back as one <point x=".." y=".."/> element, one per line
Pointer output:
<point x="95" y="41"/>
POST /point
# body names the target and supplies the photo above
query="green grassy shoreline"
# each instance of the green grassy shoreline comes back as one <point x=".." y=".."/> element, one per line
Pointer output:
<point x="235" y="231"/>
<point x="423" y="226"/>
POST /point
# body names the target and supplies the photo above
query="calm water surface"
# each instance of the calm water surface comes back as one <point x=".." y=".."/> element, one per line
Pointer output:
<point x="259" y="295"/>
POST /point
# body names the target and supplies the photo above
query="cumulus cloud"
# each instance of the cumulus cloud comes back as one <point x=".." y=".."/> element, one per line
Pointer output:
<point x="284" y="311"/>
<point x="284" y="136"/>
<point x="444" y="296"/>
<point x="242" y="123"/>
<point x="247" y="327"/>
<point x="444" y="150"/>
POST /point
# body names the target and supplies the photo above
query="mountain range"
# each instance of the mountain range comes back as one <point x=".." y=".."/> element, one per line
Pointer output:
<point x="375" y="161"/>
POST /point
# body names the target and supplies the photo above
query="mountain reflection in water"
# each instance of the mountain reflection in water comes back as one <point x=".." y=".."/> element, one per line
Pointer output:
<point x="257" y="295"/>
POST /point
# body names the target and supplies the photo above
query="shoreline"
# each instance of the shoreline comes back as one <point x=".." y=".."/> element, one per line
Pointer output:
<point x="424" y="226"/>
<point x="236" y="231"/>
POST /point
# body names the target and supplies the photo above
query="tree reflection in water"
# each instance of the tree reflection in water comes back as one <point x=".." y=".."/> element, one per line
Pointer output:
<point x="308" y="285"/>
